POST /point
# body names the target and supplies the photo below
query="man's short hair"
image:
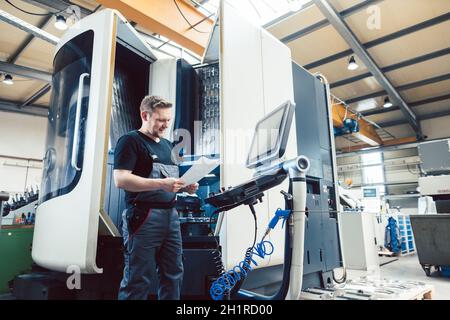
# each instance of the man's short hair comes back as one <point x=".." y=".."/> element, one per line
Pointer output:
<point x="150" y="103"/>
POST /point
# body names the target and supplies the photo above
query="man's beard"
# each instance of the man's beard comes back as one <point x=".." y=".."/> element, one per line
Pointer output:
<point x="159" y="133"/>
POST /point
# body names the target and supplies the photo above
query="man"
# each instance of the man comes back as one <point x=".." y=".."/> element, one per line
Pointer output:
<point x="144" y="168"/>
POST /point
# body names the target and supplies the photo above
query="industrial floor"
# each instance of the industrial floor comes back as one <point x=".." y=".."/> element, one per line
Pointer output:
<point x="408" y="268"/>
<point x="398" y="268"/>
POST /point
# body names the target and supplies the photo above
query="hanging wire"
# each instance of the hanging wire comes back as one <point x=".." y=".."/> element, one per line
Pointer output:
<point x="184" y="17"/>
<point x="33" y="13"/>
<point x="163" y="44"/>
<point x="197" y="4"/>
<point x="346" y="111"/>
<point x="254" y="7"/>
<point x="268" y="5"/>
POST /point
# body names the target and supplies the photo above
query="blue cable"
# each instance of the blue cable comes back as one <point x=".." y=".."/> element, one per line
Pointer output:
<point x="227" y="280"/>
<point x="225" y="283"/>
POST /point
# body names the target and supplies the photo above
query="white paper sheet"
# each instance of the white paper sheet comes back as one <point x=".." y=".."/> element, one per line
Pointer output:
<point x="199" y="169"/>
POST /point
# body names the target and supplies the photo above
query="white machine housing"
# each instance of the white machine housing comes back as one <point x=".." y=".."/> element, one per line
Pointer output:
<point x="434" y="185"/>
<point x="435" y="164"/>
<point x="255" y="78"/>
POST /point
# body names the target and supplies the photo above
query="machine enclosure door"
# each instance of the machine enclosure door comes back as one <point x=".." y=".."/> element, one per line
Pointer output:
<point x="70" y="213"/>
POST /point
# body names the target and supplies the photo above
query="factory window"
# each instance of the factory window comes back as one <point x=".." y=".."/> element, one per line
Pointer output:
<point x="260" y="12"/>
<point x="373" y="171"/>
<point x="371" y="158"/>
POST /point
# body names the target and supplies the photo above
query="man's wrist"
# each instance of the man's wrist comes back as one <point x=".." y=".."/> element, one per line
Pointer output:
<point x="155" y="184"/>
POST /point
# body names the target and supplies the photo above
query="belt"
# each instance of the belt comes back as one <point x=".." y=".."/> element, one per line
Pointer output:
<point x="155" y="205"/>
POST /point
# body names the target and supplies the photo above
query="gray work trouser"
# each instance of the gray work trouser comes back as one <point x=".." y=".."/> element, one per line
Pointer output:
<point x="154" y="249"/>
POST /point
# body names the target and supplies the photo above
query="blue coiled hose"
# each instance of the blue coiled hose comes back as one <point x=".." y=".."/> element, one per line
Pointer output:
<point x="225" y="283"/>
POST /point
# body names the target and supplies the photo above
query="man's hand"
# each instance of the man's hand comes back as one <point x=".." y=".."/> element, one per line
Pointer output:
<point x="192" y="188"/>
<point x="171" y="184"/>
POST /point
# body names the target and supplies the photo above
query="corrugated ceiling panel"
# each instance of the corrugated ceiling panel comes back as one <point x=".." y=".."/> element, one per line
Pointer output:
<point x="428" y="91"/>
<point x="401" y="131"/>
<point x="305" y="18"/>
<point x="45" y="99"/>
<point x="396" y="15"/>
<point x="358" y="88"/>
<point x="296" y="22"/>
<point x="21" y="89"/>
<point x="12" y="37"/>
<point x="337" y="70"/>
<point x="432" y="107"/>
<point x="342" y="143"/>
<point x="436" y="128"/>
<point x="39" y="53"/>
<point x="340" y="5"/>
<point x="412" y="45"/>
<point x="420" y="71"/>
<point x="322" y="43"/>
<point x="387" y="116"/>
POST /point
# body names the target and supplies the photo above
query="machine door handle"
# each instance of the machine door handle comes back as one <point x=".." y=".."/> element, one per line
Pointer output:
<point x="76" y="137"/>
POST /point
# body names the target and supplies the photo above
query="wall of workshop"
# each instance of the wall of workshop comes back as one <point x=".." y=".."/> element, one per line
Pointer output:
<point x="400" y="173"/>
<point x="437" y="127"/>
<point x="354" y="174"/>
<point x="400" y="178"/>
<point x="22" y="145"/>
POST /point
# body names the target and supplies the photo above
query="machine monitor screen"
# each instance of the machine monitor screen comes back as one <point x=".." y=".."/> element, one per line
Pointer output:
<point x="370" y="192"/>
<point x="271" y="135"/>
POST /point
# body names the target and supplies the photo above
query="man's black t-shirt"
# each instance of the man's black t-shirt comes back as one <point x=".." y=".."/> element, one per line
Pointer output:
<point x="131" y="154"/>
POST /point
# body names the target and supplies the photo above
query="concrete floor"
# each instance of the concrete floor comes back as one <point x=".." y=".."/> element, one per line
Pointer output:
<point x="408" y="268"/>
<point x="399" y="268"/>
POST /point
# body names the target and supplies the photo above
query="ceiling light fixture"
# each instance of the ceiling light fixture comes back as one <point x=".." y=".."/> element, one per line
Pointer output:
<point x="8" y="79"/>
<point x="352" y="65"/>
<point x="387" y="103"/>
<point x="60" y="22"/>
